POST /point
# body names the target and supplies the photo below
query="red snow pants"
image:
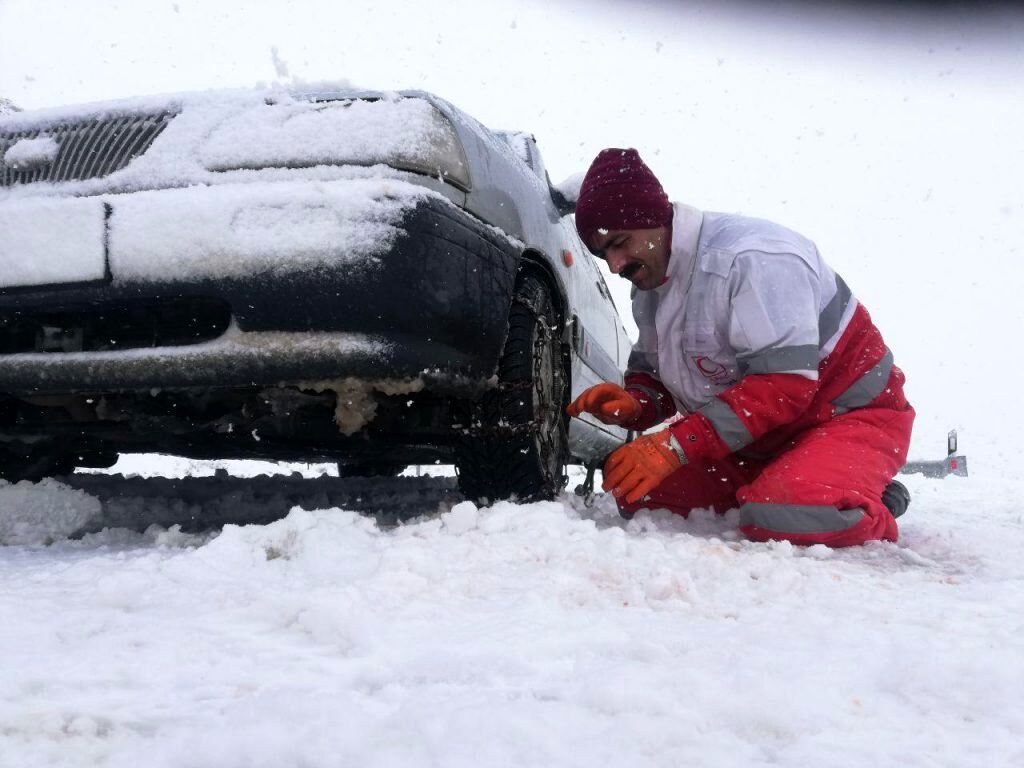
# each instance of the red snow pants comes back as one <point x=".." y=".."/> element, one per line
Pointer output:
<point x="822" y="486"/>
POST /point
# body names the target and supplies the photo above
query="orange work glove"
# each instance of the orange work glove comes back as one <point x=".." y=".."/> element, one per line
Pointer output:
<point x="637" y="468"/>
<point x="610" y="403"/>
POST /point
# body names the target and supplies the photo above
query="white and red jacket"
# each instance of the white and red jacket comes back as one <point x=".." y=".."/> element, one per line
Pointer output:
<point x="752" y="337"/>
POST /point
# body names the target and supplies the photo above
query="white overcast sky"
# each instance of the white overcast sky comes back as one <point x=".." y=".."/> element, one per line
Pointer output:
<point x="890" y="137"/>
<point x="578" y="74"/>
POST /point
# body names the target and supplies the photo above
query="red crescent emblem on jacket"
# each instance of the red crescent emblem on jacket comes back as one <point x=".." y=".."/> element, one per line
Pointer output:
<point x="711" y="370"/>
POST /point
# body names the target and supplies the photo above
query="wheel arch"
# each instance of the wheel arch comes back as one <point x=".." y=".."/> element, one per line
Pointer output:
<point x="534" y="262"/>
<point x="516" y="442"/>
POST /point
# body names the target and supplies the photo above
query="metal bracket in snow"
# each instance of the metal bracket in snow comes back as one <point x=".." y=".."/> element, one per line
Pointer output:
<point x="586" y="489"/>
<point x="953" y="464"/>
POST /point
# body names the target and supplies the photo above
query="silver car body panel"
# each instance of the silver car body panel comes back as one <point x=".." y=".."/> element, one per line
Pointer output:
<point x="509" y="190"/>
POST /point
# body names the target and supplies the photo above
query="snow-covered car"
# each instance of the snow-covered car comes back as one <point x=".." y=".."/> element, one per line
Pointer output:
<point x="371" y="278"/>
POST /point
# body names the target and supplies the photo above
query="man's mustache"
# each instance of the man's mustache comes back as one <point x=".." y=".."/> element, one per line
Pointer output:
<point x="632" y="269"/>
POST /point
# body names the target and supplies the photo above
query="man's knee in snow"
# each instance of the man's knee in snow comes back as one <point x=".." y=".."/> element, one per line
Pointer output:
<point x="807" y="524"/>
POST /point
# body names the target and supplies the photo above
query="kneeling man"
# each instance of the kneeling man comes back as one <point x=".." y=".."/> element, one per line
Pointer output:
<point x="791" y="407"/>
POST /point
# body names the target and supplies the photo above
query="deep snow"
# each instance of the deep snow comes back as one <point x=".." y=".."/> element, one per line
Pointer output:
<point x="536" y="634"/>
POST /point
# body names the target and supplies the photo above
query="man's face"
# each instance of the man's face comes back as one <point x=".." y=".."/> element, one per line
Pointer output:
<point x="639" y="255"/>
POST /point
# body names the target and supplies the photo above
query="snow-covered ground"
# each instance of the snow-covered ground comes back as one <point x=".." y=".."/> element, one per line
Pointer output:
<point x="540" y="634"/>
<point x="551" y="634"/>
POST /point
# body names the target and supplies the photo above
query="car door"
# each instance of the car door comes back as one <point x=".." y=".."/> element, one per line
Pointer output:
<point x="596" y="332"/>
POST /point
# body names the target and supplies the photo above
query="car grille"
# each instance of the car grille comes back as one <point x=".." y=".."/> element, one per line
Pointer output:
<point x="88" y="150"/>
<point x="129" y="325"/>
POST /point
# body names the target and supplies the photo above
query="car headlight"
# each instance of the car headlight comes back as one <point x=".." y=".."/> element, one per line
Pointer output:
<point x="409" y="134"/>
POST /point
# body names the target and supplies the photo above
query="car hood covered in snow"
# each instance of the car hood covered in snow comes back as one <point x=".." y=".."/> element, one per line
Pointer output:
<point x="216" y="136"/>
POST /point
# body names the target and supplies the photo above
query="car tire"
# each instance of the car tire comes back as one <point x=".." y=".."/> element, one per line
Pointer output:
<point x="516" y="444"/>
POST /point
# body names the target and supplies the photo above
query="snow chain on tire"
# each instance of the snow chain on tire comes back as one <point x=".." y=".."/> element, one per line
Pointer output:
<point x="517" y="442"/>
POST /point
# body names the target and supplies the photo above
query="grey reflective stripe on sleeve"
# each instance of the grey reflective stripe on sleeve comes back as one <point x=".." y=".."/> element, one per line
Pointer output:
<point x="832" y="314"/>
<point x="867" y="387"/>
<point x="778" y="359"/>
<point x="799" y="518"/>
<point x="727" y="424"/>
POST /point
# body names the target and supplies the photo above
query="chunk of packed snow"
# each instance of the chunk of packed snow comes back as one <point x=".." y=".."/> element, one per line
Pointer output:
<point x="243" y="229"/>
<point x="570" y="187"/>
<point x="463" y="517"/>
<point x="29" y="153"/>
<point x="301" y="133"/>
<point x="280" y="65"/>
<point x="41" y="513"/>
<point x="51" y="241"/>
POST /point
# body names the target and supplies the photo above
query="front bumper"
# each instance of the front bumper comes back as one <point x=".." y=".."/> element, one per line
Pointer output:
<point x="240" y="359"/>
<point x="434" y="300"/>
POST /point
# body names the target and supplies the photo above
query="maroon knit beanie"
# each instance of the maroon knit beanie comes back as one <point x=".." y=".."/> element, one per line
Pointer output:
<point x="620" y="192"/>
